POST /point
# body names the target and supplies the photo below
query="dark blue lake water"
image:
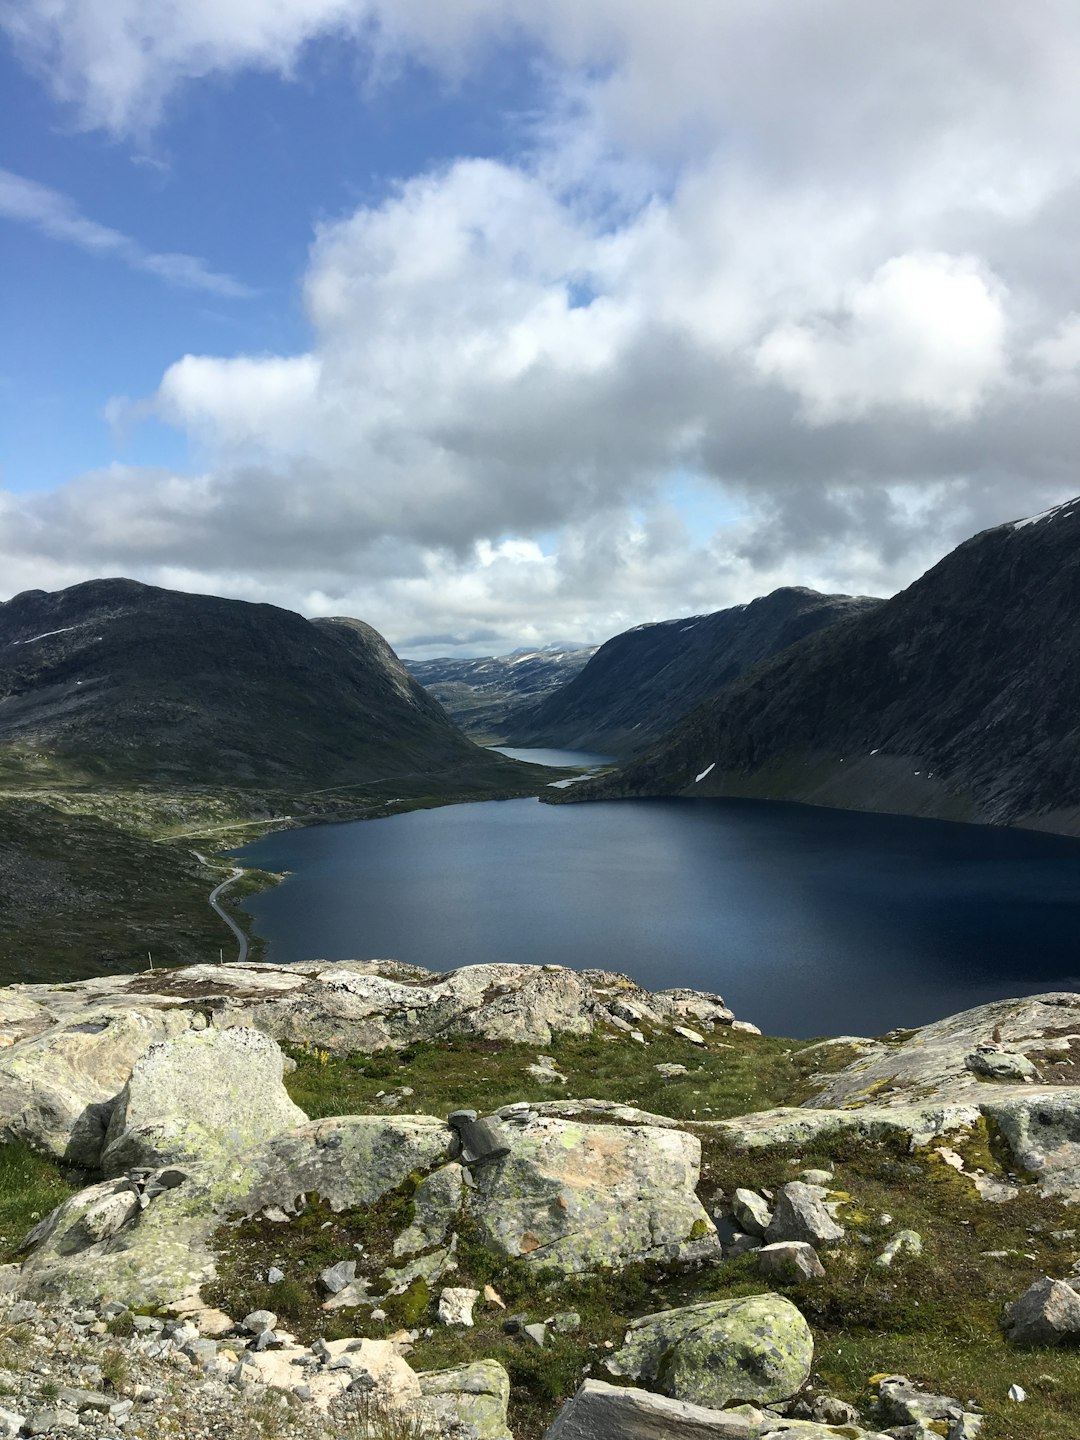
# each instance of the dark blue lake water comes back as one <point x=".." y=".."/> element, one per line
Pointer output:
<point x="808" y="921"/>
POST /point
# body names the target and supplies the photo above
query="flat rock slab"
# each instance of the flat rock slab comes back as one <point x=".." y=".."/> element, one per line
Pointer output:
<point x="756" y="1350"/>
<point x="347" y="1159"/>
<point x="579" y="1197"/>
<point x="600" y="1411"/>
<point x="932" y="1061"/>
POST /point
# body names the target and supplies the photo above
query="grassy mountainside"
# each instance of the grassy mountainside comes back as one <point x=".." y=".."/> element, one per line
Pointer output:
<point x="642" y="682"/>
<point x="126" y="680"/>
<point x="138" y="725"/>
<point x="958" y="698"/>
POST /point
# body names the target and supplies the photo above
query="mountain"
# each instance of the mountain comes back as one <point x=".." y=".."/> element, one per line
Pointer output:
<point x="641" y="682"/>
<point x="127" y="681"/>
<point x="481" y="694"/>
<point x="959" y="697"/>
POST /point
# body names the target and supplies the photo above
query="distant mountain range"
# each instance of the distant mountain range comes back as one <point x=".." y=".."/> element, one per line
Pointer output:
<point x="639" y="683"/>
<point x="127" y="681"/>
<point x="959" y="697"/>
<point x="482" y="694"/>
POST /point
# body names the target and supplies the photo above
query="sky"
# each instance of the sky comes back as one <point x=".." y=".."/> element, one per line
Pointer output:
<point x="496" y="323"/>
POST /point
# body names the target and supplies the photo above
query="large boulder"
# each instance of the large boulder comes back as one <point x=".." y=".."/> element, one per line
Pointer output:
<point x="578" y="1197"/>
<point x="105" y="1241"/>
<point x="213" y="1095"/>
<point x="1047" y="1313"/>
<point x="59" y="1084"/>
<point x="756" y="1350"/>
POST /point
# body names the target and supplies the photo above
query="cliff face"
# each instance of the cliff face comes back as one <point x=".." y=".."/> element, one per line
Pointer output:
<point x="643" y="681"/>
<point x="958" y="698"/>
<point x="124" y="679"/>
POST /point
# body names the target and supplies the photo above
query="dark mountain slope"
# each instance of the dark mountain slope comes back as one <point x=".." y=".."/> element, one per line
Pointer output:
<point x="959" y="697"/>
<point x="643" y="681"/>
<point x="479" y="694"/>
<point x="125" y="680"/>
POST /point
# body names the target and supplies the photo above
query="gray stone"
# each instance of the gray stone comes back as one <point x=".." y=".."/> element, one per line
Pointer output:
<point x="1047" y="1313"/>
<point x="902" y="1403"/>
<point x="274" y="1276"/>
<point x="574" y="1197"/>
<point x="565" y="1322"/>
<point x="756" y="1349"/>
<point x="998" y="1064"/>
<point x="469" y="1398"/>
<point x="791" y="1260"/>
<point x="335" y="1278"/>
<point x="741" y="1244"/>
<point x="210" y="1095"/>
<point x="904" y="1242"/>
<point x="816" y="1177"/>
<point x="436" y="1203"/>
<point x="752" y="1213"/>
<point x="11" y="1422"/>
<point x="456" y="1305"/>
<point x="600" y="1411"/>
<point x="536" y="1333"/>
<point x="258" y="1321"/>
<point x="800" y="1215"/>
<point x="670" y="1071"/>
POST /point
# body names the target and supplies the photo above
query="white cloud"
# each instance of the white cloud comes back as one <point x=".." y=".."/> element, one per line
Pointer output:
<point x="803" y="253"/>
<point x="56" y="215"/>
<point x="925" y="332"/>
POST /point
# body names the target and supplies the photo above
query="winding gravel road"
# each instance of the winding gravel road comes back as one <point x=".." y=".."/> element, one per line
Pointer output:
<point x="241" y="938"/>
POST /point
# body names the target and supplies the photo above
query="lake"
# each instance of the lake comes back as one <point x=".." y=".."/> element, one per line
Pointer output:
<point x="808" y="921"/>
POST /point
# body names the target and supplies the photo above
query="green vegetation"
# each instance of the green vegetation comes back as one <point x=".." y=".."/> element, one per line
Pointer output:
<point x="96" y="873"/>
<point x="732" y="1075"/>
<point x="30" y="1186"/>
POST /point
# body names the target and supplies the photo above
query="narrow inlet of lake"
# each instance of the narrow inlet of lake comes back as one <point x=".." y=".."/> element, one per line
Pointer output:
<point x="808" y="921"/>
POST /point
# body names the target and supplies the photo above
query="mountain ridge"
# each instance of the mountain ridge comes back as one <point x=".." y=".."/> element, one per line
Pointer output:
<point x="955" y="698"/>
<point x="641" y="681"/>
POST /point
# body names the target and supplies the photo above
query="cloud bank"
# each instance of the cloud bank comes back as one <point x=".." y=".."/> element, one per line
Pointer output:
<point x="817" y="264"/>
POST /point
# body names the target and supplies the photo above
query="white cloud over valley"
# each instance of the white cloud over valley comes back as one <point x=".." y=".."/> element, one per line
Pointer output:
<point x="819" y="260"/>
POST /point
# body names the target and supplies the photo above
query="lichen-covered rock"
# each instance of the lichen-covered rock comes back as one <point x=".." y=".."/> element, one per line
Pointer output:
<point x="757" y="1349"/>
<point x="346" y="1159"/>
<point x="995" y="1063"/>
<point x="59" y="1085"/>
<point x="600" y="1411"/>
<point x="902" y="1403"/>
<point x="100" y="1243"/>
<point x="436" y="1202"/>
<point x="1047" y="1313"/>
<point x="578" y="1197"/>
<point x="470" y="1398"/>
<point x="210" y="1095"/>
<point x="904" y="1242"/>
<point x="800" y="1215"/>
<point x="1043" y="1133"/>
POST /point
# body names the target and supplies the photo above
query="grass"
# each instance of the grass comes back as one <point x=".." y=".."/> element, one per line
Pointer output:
<point x="732" y="1075"/>
<point x="30" y="1186"/>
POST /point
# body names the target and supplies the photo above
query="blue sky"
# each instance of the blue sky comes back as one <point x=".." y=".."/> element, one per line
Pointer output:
<point x="481" y="319"/>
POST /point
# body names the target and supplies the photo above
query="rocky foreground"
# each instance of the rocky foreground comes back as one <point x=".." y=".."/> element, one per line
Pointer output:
<point x="690" y="1275"/>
